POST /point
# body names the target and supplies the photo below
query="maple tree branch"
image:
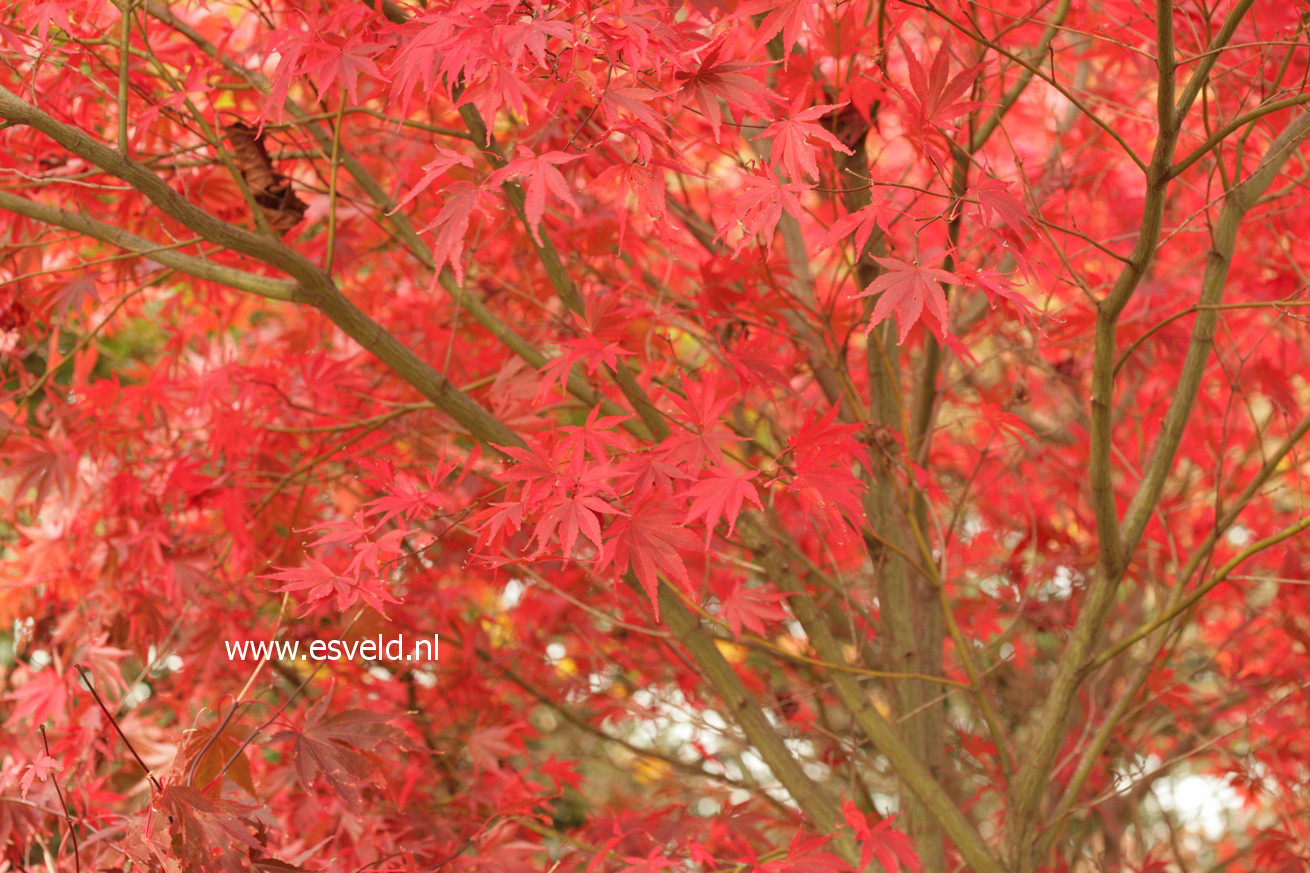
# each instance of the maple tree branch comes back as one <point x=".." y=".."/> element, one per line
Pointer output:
<point x="327" y="116"/>
<point x="904" y="761"/>
<point x="885" y="738"/>
<point x="318" y="288"/>
<point x="1201" y="553"/>
<point x="124" y="57"/>
<point x="334" y="164"/>
<point x="214" y="137"/>
<point x="759" y="643"/>
<point x="1112" y="306"/>
<point x="833" y="380"/>
<point x="926" y="395"/>
<point x="918" y="442"/>
<point x="1228" y="129"/>
<point x="904" y="605"/>
<point x="1124" y="539"/>
<point x="1057" y="709"/>
<point x="1201" y="75"/>
<point x="910" y="613"/>
<point x="1105" y="732"/>
<point x="1236" y="204"/>
<point x="1091" y="755"/>
<point x="1015" y="91"/>
<point x="269" y="287"/>
<point x="546" y="250"/>
<point x="80" y="143"/>
<point x="907" y="764"/>
<point x="470" y="301"/>
<point x="1165" y="65"/>
<point x="1192" y="599"/>
<point x="814" y="801"/>
<point x="582" y="723"/>
<point x="555" y="271"/>
<point x="1281" y="305"/>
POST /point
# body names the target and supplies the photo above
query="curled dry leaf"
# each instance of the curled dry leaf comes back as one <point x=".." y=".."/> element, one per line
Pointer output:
<point x="271" y="190"/>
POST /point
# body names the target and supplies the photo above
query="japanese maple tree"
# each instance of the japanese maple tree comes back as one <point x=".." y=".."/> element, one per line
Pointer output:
<point x="824" y="436"/>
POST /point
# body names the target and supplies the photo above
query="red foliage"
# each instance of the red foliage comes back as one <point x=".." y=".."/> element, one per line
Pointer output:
<point x="649" y="355"/>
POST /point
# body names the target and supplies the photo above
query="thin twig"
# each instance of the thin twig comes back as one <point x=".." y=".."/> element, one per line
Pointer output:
<point x="124" y="55"/>
<point x="63" y="804"/>
<point x="334" y="162"/>
<point x="86" y="680"/>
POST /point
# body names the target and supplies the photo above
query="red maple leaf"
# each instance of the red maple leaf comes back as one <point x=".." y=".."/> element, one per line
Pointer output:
<point x="704" y="436"/>
<point x="321" y="583"/>
<point x="822" y="437"/>
<point x="70" y="297"/>
<point x="646" y="183"/>
<point x="432" y="171"/>
<point x="589" y="350"/>
<point x="806" y="856"/>
<point x="632" y="101"/>
<point x="451" y="224"/>
<point x="489" y="746"/>
<point x="859" y="224"/>
<point x="934" y="98"/>
<point x="997" y="204"/>
<point x="45" y="465"/>
<point x="594" y="437"/>
<point x="341" y="58"/>
<point x="541" y="175"/>
<point x="758" y="208"/>
<point x="891" y="847"/>
<point x="648" y="542"/>
<point x="904" y="290"/>
<point x="497" y="522"/>
<point x="792" y="149"/>
<point x="829" y="491"/>
<point x="45" y="13"/>
<point x="40" y="768"/>
<point x="209" y="833"/>
<point x="539" y="472"/>
<point x="721" y="495"/>
<point x="713" y="79"/>
<point x="652" y="863"/>
<point x="43" y="696"/>
<point x="337" y="746"/>
<point x="786" y="17"/>
<point x="995" y="286"/>
<point x="823" y="452"/>
<point x="570" y="515"/>
<point x="750" y="608"/>
<point x="531" y="33"/>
